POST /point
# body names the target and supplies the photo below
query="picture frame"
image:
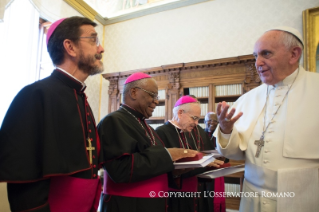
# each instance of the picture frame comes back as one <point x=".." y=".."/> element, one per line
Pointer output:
<point x="311" y="39"/>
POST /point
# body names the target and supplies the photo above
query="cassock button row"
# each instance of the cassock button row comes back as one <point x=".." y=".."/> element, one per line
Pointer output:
<point x="88" y="114"/>
<point x="89" y="122"/>
<point x="94" y="175"/>
<point x="90" y="131"/>
<point x="93" y="156"/>
<point x="94" y="166"/>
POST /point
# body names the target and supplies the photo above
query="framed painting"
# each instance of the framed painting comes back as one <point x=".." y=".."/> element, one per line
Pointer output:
<point x="311" y="38"/>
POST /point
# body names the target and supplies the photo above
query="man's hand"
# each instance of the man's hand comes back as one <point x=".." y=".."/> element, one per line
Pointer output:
<point x="178" y="153"/>
<point x="216" y="163"/>
<point x="226" y="120"/>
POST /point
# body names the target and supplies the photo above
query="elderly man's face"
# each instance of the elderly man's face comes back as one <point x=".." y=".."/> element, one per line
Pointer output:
<point x="272" y="58"/>
<point x="211" y="122"/>
<point x="188" y="119"/>
<point x="145" y="101"/>
<point x="90" y="54"/>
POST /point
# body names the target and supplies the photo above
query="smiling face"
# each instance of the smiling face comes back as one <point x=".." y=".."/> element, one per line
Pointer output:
<point x="90" y="54"/>
<point x="211" y="122"/>
<point x="145" y="103"/>
<point x="272" y="58"/>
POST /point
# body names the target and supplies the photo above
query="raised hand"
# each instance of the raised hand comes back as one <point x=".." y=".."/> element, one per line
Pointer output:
<point x="226" y="120"/>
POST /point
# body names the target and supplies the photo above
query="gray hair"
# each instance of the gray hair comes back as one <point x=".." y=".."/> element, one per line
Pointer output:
<point x="185" y="107"/>
<point x="207" y="115"/>
<point x="289" y="41"/>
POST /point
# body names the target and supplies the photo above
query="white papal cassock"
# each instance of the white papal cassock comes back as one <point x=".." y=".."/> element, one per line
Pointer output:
<point x="288" y="163"/>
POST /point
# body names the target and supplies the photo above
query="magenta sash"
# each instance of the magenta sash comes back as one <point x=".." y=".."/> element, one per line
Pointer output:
<point x="145" y="189"/>
<point x="74" y="194"/>
<point x="188" y="185"/>
<point x="219" y="201"/>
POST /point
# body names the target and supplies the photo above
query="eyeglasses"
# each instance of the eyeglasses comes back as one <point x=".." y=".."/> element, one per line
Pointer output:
<point x="94" y="39"/>
<point x="195" y="118"/>
<point x="153" y="95"/>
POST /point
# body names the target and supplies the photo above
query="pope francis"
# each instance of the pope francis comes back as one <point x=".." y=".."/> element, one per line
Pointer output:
<point x="274" y="127"/>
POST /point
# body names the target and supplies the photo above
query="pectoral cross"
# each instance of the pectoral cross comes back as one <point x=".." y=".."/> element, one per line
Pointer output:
<point x="260" y="143"/>
<point x="90" y="148"/>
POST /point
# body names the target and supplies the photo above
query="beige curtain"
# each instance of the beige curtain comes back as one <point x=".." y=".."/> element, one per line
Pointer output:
<point x="18" y="53"/>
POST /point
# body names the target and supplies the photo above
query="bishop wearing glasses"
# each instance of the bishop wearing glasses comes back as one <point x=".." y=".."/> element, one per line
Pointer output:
<point x="182" y="132"/>
<point x="136" y="163"/>
<point x="49" y="153"/>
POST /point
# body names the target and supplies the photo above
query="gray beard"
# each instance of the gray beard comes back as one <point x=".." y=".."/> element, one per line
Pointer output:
<point x="85" y="65"/>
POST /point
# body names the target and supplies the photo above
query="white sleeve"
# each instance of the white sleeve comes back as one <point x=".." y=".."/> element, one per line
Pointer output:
<point x="228" y="144"/>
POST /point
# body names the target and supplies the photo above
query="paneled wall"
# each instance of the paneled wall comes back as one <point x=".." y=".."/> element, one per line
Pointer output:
<point x="205" y="31"/>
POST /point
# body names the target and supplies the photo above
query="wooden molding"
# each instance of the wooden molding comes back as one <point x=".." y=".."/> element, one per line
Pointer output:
<point x="193" y="66"/>
<point x="252" y="79"/>
<point x="174" y="78"/>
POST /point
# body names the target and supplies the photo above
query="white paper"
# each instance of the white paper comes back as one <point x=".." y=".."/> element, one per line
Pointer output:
<point x="213" y="152"/>
<point x="207" y="159"/>
<point x="222" y="172"/>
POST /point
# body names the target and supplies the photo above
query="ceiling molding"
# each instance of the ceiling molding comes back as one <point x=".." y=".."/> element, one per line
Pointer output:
<point x="82" y="8"/>
<point x="92" y="14"/>
<point x="152" y="10"/>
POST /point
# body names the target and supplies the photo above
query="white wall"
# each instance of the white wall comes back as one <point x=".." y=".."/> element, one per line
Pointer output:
<point x="205" y="31"/>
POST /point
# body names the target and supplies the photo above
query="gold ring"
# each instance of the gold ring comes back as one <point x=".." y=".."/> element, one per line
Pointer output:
<point x="185" y="151"/>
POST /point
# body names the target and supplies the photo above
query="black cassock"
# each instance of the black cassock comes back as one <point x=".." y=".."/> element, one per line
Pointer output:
<point x="196" y="140"/>
<point x="206" y="203"/>
<point x="130" y="157"/>
<point x="44" y="135"/>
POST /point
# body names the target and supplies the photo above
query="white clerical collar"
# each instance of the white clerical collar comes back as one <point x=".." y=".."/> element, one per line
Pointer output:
<point x="288" y="80"/>
<point x="170" y="121"/>
<point x="64" y="71"/>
